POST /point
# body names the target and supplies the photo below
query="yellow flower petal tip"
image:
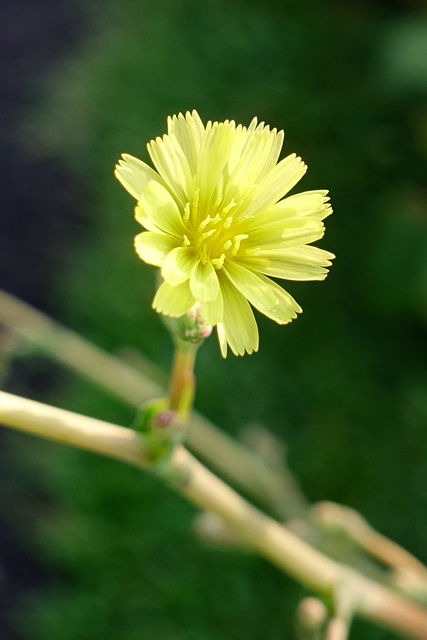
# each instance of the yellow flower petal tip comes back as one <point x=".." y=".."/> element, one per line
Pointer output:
<point x="219" y="224"/>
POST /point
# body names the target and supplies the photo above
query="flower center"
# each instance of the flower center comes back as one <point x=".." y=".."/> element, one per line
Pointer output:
<point x="213" y="238"/>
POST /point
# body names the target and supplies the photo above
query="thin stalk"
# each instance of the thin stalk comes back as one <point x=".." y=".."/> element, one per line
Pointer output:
<point x="337" y="629"/>
<point x="361" y="533"/>
<point x="182" y="383"/>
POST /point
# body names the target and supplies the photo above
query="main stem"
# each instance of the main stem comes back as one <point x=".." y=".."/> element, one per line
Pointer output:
<point x="202" y="487"/>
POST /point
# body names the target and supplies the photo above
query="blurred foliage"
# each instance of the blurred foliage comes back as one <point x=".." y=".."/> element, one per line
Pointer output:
<point x="344" y="385"/>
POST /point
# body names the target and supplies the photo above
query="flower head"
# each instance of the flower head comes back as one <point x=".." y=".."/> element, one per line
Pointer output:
<point x="218" y="225"/>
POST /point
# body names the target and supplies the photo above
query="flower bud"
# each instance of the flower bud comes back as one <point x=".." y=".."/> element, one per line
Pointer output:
<point x="311" y="617"/>
<point x="190" y="327"/>
<point x="161" y="427"/>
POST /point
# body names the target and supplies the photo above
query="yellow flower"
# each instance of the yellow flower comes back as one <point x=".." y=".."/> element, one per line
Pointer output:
<point x="217" y="226"/>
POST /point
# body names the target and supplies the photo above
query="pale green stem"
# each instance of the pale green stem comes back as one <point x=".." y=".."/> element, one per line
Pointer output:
<point x="331" y="514"/>
<point x="307" y="565"/>
<point x="75" y="352"/>
<point x="182" y="384"/>
<point x="337" y="629"/>
<point x="347" y="597"/>
<point x="71" y="428"/>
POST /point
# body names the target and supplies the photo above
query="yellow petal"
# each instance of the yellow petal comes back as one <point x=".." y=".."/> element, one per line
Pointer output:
<point x="189" y="132"/>
<point x="222" y="339"/>
<point x="287" y="233"/>
<point x="172" y="164"/>
<point x="143" y="216"/>
<point x="212" y="312"/>
<point x="153" y="247"/>
<point x="297" y="263"/>
<point x="275" y="184"/>
<point x="134" y="174"/>
<point x="238" y="327"/>
<point x="204" y="282"/>
<point x="258" y="292"/>
<point x="214" y="151"/>
<point x="173" y="301"/>
<point x="310" y="255"/>
<point x="307" y="203"/>
<point x="177" y="265"/>
<point x="274" y="152"/>
<point x="250" y="159"/>
<point x="286" y="308"/>
<point x="158" y="207"/>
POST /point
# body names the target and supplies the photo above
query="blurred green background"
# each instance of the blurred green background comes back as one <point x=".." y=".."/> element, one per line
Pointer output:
<point x="113" y="553"/>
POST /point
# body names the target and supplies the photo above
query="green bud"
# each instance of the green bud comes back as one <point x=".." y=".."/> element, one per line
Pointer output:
<point x="161" y="426"/>
<point x="190" y="327"/>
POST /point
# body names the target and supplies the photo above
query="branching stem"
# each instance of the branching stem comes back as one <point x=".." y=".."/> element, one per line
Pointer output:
<point x="189" y="477"/>
<point x="224" y="454"/>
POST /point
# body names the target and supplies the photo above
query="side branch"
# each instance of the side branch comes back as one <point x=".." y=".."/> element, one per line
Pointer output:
<point x="190" y="478"/>
<point x="71" y="428"/>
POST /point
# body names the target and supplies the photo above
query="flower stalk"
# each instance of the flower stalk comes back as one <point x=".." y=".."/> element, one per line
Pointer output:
<point x="182" y="383"/>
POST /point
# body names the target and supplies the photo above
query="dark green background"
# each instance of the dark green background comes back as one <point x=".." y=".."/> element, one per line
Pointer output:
<point x="344" y="385"/>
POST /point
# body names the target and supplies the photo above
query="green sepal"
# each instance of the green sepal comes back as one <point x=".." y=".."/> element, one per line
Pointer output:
<point x="146" y="414"/>
<point x="161" y="427"/>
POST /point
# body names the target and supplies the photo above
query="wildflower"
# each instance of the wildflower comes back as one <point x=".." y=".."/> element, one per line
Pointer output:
<point x="217" y="224"/>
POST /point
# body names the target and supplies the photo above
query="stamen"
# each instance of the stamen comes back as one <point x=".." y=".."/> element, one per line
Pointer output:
<point x="186" y="242"/>
<point x="237" y="240"/>
<point x="218" y="262"/>
<point x="218" y="199"/>
<point x="186" y="215"/>
<point x="195" y="204"/>
<point x="204" y="223"/>
<point x="207" y="234"/>
<point x="230" y="206"/>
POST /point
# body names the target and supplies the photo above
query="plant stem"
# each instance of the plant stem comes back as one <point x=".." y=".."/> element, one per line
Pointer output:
<point x="361" y="533"/>
<point x="73" y="429"/>
<point x="337" y="629"/>
<point x="182" y="384"/>
<point x="75" y="352"/>
<point x="190" y="478"/>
